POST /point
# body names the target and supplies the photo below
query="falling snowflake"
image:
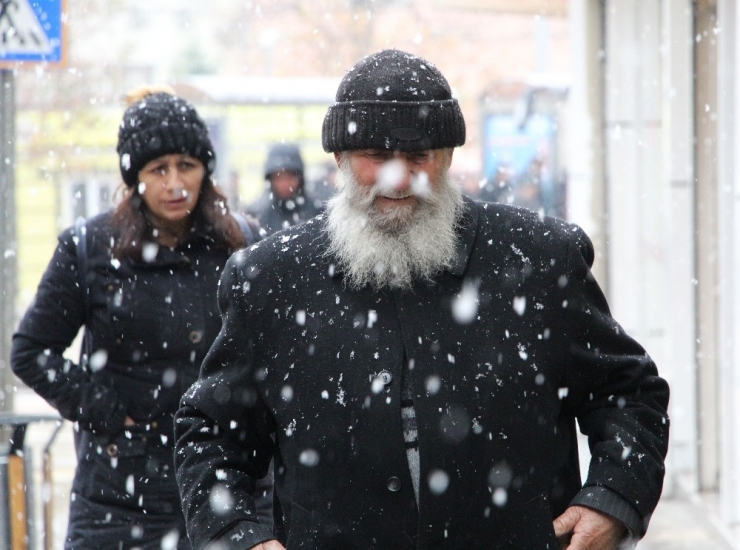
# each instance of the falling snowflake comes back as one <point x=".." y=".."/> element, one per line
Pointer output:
<point x="438" y="481"/>
<point x="465" y="304"/>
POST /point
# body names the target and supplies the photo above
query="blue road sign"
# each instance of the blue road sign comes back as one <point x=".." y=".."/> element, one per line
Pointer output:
<point x="31" y="31"/>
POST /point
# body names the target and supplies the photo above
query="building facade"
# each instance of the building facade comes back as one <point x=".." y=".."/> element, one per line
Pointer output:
<point x="653" y="177"/>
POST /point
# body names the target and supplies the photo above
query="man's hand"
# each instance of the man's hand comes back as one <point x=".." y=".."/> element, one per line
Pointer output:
<point x="580" y="528"/>
<point x="268" y="545"/>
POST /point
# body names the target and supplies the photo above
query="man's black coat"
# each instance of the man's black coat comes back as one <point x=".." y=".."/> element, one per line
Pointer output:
<point x="498" y="382"/>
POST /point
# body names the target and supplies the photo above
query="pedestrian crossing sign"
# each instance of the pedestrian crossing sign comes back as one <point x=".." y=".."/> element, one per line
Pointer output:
<point x="31" y="31"/>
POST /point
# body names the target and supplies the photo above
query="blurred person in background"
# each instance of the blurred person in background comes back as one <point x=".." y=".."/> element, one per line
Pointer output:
<point x="285" y="201"/>
<point x="324" y="187"/>
<point x="147" y="299"/>
<point x="420" y="359"/>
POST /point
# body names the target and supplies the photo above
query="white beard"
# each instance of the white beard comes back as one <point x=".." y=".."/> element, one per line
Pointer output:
<point x="391" y="249"/>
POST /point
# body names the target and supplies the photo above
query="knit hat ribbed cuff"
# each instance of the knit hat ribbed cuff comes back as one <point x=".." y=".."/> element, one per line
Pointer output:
<point x="393" y="125"/>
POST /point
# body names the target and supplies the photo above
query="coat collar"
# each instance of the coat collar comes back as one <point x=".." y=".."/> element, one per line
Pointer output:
<point x="194" y="246"/>
<point x="467" y="230"/>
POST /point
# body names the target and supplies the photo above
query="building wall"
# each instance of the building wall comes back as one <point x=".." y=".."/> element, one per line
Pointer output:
<point x="649" y="211"/>
<point x="728" y="208"/>
<point x="671" y="216"/>
<point x="707" y="261"/>
<point x="678" y="289"/>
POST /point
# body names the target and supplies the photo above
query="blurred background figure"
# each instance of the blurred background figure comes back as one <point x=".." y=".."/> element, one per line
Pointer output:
<point x="324" y="187"/>
<point x="142" y="279"/>
<point x="285" y="201"/>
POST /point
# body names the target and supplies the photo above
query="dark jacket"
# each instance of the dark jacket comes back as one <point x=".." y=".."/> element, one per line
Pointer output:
<point x="151" y="324"/>
<point x="275" y="214"/>
<point x="496" y="399"/>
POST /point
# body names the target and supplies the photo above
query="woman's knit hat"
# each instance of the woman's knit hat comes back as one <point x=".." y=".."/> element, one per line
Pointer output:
<point x="393" y="100"/>
<point x="161" y="124"/>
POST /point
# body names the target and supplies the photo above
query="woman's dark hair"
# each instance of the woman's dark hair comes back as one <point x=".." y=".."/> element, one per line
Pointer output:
<point x="211" y="218"/>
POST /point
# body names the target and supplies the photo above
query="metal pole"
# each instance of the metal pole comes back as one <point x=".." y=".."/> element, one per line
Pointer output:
<point x="7" y="234"/>
<point x="47" y="493"/>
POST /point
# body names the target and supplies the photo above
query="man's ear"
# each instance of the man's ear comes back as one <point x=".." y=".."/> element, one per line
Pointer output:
<point x="449" y="152"/>
<point x="336" y="157"/>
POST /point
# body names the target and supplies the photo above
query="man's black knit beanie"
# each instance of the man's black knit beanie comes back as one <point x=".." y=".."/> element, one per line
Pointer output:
<point x="161" y="124"/>
<point x="393" y="100"/>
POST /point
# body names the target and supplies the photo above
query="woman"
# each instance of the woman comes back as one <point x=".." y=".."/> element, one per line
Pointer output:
<point x="148" y="303"/>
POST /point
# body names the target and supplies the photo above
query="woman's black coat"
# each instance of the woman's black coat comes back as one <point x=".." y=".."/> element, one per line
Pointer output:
<point x="496" y="395"/>
<point x="151" y="324"/>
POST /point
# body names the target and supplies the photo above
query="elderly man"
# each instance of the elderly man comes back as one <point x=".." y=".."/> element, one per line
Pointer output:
<point x="416" y="361"/>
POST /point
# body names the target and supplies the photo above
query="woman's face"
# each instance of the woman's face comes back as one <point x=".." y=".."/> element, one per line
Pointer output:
<point x="170" y="187"/>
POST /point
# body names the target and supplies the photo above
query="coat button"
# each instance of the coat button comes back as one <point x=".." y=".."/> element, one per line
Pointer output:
<point x="196" y="336"/>
<point x="394" y="484"/>
<point x="385" y="376"/>
<point x="111" y="449"/>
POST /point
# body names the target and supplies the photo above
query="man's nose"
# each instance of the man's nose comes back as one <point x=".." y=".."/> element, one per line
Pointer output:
<point x="396" y="174"/>
<point x="407" y="174"/>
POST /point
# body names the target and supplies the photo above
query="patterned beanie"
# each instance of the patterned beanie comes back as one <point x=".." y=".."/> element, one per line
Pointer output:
<point x="393" y="100"/>
<point x="161" y="124"/>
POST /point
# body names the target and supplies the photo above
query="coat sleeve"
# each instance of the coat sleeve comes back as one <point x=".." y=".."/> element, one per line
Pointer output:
<point x="47" y="329"/>
<point x="618" y="398"/>
<point x="223" y="442"/>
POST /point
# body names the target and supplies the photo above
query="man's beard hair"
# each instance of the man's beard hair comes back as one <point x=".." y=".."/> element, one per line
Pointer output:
<point x="393" y="248"/>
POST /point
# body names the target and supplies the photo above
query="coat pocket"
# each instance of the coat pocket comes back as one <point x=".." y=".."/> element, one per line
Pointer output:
<point x="122" y="469"/>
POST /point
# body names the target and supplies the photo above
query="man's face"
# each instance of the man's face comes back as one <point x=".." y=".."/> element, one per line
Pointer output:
<point x="284" y="184"/>
<point x="395" y="184"/>
<point x="394" y="217"/>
